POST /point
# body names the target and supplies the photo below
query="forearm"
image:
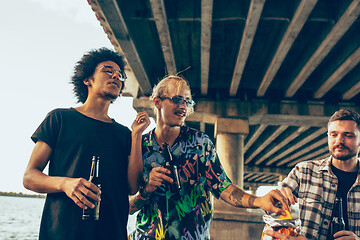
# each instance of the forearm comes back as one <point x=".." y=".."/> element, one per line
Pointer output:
<point x="136" y="202"/>
<point x="37" y="181"/>
<point x="238" y="197"/>
<point x="135" y="167"/>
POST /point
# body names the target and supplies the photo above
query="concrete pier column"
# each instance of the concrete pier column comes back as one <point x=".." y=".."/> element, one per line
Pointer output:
<point x="230" y="134"/>
<point x="230" y="222"/>
<point x="229" y="147"/>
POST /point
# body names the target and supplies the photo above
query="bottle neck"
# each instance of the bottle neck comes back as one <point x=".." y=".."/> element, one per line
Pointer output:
<point x="168" y="156"/>
<point x="340" y="211"/>
<point x="92" y="169"/>
<point x="97" y="167"/>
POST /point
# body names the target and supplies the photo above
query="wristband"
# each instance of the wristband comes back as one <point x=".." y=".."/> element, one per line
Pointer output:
<point x="143" y="192"/>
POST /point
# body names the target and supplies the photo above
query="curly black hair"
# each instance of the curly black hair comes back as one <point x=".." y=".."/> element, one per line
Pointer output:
<point x="85" y="68"/>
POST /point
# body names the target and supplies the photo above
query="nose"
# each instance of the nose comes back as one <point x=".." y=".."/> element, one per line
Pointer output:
<point x="339" y="138"/>
<point x="183" y="104"/>
<point x="115" y="75"/>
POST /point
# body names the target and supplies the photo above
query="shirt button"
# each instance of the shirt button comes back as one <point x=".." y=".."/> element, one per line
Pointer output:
<point x="333" y="185"/>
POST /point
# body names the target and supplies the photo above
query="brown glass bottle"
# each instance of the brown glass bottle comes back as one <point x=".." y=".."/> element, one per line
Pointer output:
<point x="93" y="213"/>
<point x="170" y="164"/>
<point x="337" y="222"/>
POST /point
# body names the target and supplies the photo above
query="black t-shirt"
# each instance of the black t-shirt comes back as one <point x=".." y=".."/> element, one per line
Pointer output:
<point x="74" y="139"/>
<point x="345" y="181"/>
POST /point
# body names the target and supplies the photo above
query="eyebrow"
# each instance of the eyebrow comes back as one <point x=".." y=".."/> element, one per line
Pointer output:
<point x="341" y="132"/>
<point x="187" y="98"/>
<point x="112" y="67"/>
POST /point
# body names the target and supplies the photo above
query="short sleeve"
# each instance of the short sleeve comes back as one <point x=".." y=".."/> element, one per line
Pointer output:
<point x="216" y="177"/>
<point x="48" y="131"/>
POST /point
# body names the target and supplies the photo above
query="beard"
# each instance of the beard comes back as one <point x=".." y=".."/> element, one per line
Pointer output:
<point x="343" y="156"/>
<point x="112" y="97"/>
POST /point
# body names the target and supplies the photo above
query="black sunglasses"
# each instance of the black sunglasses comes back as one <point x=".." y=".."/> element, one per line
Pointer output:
<point x="178" y="100"/>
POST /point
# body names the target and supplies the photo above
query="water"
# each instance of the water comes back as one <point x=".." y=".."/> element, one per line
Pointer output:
<point x="20" y="218"/>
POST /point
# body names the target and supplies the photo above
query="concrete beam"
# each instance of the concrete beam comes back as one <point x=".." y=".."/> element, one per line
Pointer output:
<point x="319" y="154"/>
<point x="244" y="109"/>
<point x="116" y="29"/>
<point x="252" y="21"/>
<point x="158" y="9"/>
<point x="304" y="151"/>
<point x="298" y="145"/>
<point x="231" y="125"/>
<point x="291" y="120"/>
<point x="344" y="23"/>
<point x="352" y="92"/>
<point x="302" y="13"/>
<point x="255" y="136"/>
<point x="205" y="43"/>
<point x="338" y="75"/>
<point x="267" y="141"/>
<point x="282" y="144"/>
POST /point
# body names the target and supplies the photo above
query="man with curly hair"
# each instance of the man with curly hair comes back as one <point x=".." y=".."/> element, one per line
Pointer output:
<point x="68" y="138"/>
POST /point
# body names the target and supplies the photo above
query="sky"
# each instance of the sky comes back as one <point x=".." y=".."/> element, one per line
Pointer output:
<point x="41" y="40"/>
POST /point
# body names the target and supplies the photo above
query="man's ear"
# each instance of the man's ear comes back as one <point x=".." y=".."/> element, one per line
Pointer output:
<point x="157" y="102"/>
<point x="87" y="81"/>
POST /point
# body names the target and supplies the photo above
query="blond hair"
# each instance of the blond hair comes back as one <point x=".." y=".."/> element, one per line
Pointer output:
<point x="161" y="89"/>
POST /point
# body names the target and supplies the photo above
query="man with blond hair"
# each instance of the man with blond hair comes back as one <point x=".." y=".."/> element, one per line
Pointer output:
<point x="186" y="213"/>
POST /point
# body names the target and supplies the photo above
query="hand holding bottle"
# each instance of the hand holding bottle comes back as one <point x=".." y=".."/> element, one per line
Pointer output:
<point x="175" y="186"/>
<point x="80" y="190"/>
<point x="93" y="213"/>
<point x="156" y="177"/>
<point x="337" y="222"/>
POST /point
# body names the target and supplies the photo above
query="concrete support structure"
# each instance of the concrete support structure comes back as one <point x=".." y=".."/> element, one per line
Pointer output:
<point x="230" y="150"/>
<point x="230" y="134"/>
<point x="234" y="226"/>
<point x="230" y="222"/>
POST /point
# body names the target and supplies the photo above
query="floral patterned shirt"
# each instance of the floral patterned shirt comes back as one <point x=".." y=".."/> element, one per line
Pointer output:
<point x="187" y="214"/>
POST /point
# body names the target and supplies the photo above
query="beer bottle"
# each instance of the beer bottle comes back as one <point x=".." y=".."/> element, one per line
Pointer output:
<point x="170" y="164"/>
<point x="337" y="222"/>
<point x="93" y="213"/>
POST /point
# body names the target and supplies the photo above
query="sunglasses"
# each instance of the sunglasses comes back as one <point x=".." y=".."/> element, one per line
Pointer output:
<point x="109" y="70"/>
<point x="178" y="100"/>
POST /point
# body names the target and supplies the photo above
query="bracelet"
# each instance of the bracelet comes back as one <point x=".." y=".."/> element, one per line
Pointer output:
<point x="143" y="192"/>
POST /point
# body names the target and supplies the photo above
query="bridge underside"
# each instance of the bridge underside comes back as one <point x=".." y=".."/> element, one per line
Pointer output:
<point x="275" y="69"/>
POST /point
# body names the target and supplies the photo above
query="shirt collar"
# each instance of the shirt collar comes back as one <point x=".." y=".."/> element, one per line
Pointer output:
<point x="184" y="131"/>
<point x="326" y="166"/>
